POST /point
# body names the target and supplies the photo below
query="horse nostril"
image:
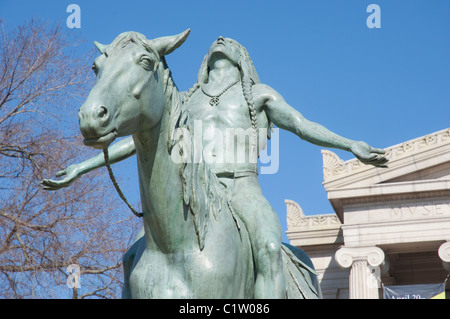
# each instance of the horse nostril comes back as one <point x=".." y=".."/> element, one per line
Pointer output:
<point x="102" y="112"/>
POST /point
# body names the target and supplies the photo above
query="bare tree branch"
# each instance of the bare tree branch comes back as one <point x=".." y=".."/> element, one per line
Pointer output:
<point x="42" y="233"/>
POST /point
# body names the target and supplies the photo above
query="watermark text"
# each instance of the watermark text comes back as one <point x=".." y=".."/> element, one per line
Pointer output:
<point x="231" y="146"/>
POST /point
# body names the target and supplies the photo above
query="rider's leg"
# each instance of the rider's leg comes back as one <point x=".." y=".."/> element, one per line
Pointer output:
<point x="264" y="230"/>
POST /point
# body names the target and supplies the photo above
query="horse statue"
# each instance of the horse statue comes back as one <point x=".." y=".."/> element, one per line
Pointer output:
<point x="192" y="245"/>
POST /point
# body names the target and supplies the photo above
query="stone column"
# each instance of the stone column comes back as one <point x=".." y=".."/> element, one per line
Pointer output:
<point x="365" y="271"/>
<point x="444" y="254"/>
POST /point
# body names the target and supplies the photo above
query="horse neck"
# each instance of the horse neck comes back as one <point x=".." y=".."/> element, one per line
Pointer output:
<point x="153" y="144"/>
<point x="161" y="186"/>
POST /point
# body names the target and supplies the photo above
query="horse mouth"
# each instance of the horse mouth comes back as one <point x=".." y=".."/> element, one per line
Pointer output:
<point x="101" y="142"/>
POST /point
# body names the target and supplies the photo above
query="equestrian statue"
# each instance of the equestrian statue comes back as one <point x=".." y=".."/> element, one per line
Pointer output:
<point x="208" y="231"/>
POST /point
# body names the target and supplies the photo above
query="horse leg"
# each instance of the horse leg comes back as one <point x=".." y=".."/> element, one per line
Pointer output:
<point x="128" y="262"/>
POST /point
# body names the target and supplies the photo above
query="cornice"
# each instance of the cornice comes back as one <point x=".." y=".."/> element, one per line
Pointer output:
<point x="338" y="173"/>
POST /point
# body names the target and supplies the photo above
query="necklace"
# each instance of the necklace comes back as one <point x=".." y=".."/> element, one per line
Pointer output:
<point x="215" y="98"/>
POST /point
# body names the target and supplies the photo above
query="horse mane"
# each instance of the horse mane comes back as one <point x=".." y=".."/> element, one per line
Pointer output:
<point x="202" y="191"/>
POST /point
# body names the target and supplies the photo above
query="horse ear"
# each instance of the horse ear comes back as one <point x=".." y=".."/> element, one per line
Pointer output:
<point x="100" y="47"/>
<point x="166" y="45"/>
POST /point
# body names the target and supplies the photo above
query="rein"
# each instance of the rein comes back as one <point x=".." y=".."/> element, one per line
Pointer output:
<point x="119" y="191"/>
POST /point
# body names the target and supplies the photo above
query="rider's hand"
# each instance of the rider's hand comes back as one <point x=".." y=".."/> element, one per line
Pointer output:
<point x="369" y="155"/>
<point x="71" y="173"/>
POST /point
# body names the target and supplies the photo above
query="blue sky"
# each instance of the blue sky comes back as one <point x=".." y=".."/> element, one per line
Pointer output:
<point x="383" y="86"/>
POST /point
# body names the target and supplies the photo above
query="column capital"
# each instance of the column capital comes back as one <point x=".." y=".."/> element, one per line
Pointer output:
<point x="444" y="254"/>
<point x="345" y="256"/>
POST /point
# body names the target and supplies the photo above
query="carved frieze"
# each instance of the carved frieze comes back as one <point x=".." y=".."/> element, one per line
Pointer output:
<point x="334" y="167"/>
<point x="296" y="218"/>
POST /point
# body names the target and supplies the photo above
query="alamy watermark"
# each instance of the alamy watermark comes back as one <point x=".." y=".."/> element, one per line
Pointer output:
<point x="74" y="279"/>
<point x="232" y="146"/>
<point x="374" y="19"/>
<point x="373" y="277"/>
<point x="74" y="19"/>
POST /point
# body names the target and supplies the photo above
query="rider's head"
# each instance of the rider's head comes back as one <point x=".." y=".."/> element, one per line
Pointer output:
<point x="233" y="51"/>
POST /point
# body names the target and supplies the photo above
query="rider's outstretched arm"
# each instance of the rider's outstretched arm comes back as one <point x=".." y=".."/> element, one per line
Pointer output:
<point x="287" y="118"/>
<point x="117" y="152"/>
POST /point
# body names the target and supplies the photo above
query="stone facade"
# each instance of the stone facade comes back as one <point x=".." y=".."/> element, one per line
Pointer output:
<point x="391" y="226"/>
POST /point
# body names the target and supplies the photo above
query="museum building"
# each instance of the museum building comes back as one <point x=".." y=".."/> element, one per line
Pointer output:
<point x="390" y="227"/>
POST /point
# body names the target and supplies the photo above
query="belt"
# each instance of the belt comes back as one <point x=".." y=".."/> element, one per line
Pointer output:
<point x="237" y="173"/>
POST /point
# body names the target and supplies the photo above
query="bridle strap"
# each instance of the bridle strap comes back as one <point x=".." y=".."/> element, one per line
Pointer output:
<point x="119" y="191"/>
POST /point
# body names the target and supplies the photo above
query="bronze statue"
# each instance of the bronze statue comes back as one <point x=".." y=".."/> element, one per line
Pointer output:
<point x="207" y="224"/>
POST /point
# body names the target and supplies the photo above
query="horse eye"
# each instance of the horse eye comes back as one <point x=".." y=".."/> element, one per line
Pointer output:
<point x="94" y="68"/>
<point x="146" y="63"/>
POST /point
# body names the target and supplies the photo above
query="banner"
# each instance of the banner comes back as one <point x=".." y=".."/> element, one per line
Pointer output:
<point x="429" y="291"/>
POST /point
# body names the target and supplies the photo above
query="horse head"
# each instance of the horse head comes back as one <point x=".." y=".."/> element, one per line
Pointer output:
<point x="129" y="94"/>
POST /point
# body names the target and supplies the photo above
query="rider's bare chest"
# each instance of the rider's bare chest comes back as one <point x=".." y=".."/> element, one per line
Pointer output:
<point x="229" y="109"/>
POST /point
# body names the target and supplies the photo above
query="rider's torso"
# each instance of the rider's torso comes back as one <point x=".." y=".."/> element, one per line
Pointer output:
<point x="225" y="130"/>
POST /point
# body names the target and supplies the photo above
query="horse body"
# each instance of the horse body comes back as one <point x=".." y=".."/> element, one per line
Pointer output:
<point x="193" y="246"/>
